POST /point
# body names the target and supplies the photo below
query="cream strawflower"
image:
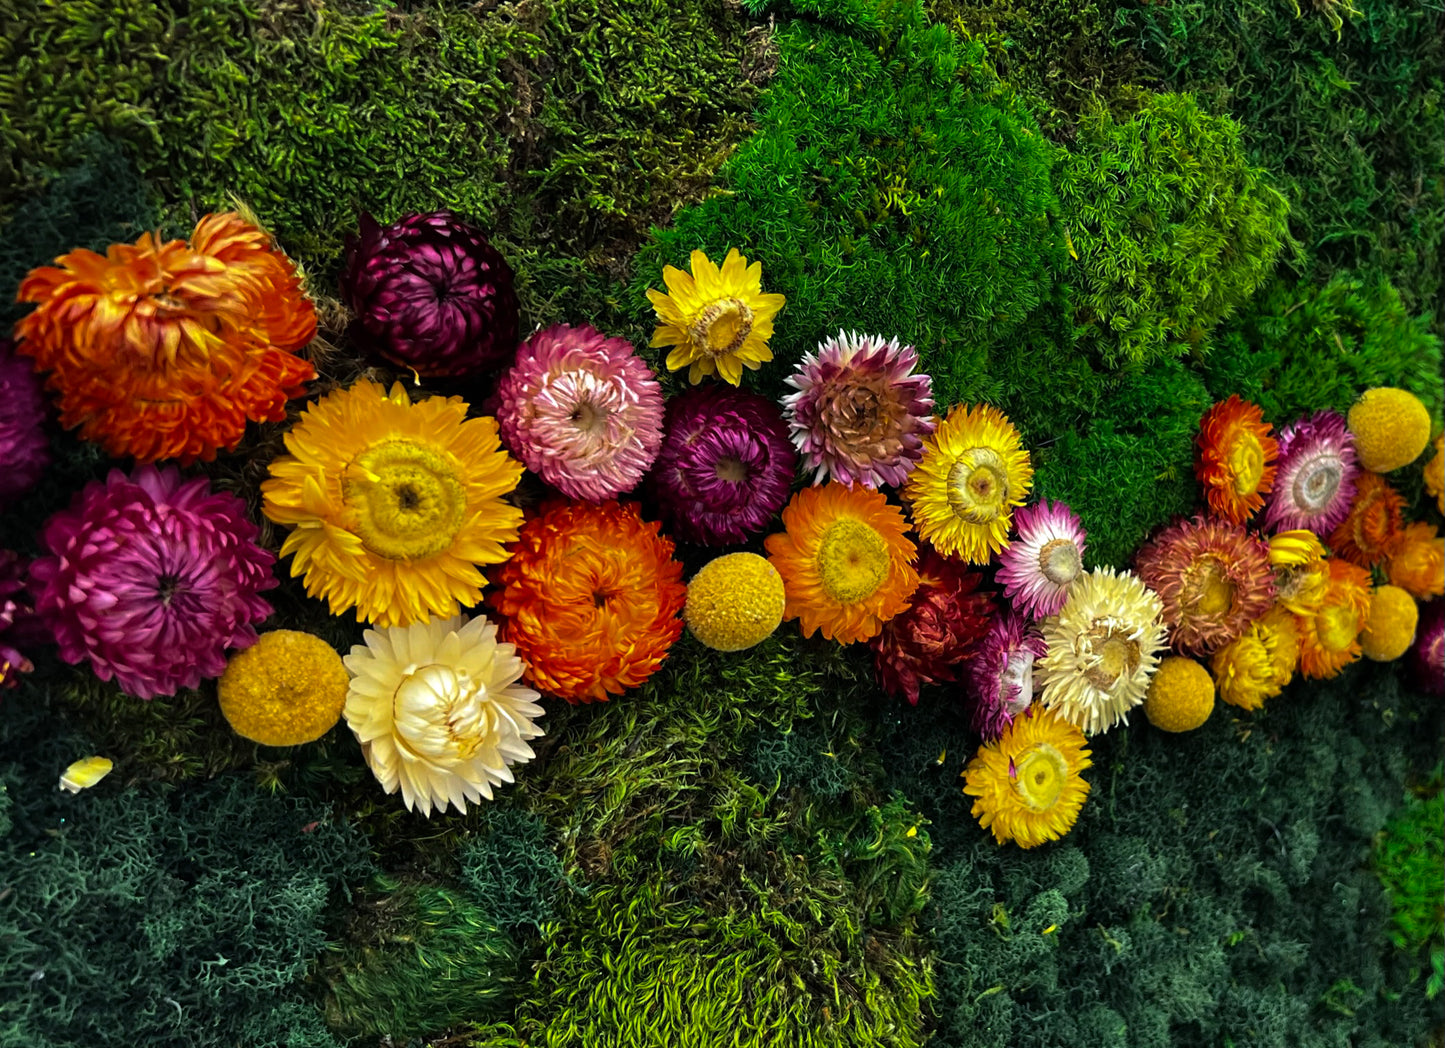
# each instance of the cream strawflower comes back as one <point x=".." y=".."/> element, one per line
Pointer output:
<point x="438" y="711"/>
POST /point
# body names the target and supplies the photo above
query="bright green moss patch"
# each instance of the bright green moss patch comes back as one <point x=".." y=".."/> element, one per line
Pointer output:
<point x="1409" y="856"/>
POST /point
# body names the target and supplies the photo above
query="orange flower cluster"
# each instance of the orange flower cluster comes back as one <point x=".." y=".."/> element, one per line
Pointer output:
<point x="1372" y="530"/>
<point x="165" y="350"/>
<point x="590" y="598"/>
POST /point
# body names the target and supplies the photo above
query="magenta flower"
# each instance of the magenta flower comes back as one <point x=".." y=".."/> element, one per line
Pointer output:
<point x="432" y="295"/>
<point x="582" y="411"/>
<point x="1001" y="674"/>
<point x="24" y="451"/>
<point x="1038" y="566"/>
<point x="860" y="413"/>
<point x="1427" y="654"/>
<point x="152" y="578"/>
<point x="19" y="628"/>
<point x="1314" y="481"/>
<point x="725" y="467"/>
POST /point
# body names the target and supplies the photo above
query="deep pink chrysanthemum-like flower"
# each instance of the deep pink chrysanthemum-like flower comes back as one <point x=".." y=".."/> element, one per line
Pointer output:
<point x="582" y="411"/>
<point x="1314" y="482"/>
<point x="1048" y="554"/>
<point x="1427" y="654"/>
<point x="1213" y="577"/>
<point x="1001" y="674"/>
<point x="725" y="467"/>
<point x="152" y="578"/>
<point x="24" y="451"/>
<point x="19" y="628"/>
<point x="430" y="293"/>
<point x="930" y="641"/>
<point x="860" y="414"/>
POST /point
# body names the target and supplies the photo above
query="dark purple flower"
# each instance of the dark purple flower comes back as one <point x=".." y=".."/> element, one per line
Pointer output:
<point x="431" y="294"/>
<point x="24" y="452"/>
<point x="152" y="578"/>
<point x="19" y="628"/>
<point x="725" y="466"/>
<point x="1427" y="654"/>
<point x="1001" y="674"/>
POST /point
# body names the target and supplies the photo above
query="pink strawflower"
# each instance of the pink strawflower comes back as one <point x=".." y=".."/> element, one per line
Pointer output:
<point x="152" y="578"/>
<point x="1314" y="482"/>
<point x="24" y="451"/>
<point x="1001" y="674"/>
<point x="725" y="468"/>
<point x="1427" y="654"/>
<point x="19" y="628"/>
<point x="582" y="411"/>
<point x="1038" y="566"/>
<point x="860" y="414"/>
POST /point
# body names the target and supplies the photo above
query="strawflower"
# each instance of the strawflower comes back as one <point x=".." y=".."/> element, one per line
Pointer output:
<point x="718" y="321"/>
<point x="590" y="597"/>
<point x="393" y="505"/>
<point x="1001" y="674"/>
<point x="1330" y="638"/>
<point x="151" y="578"/>
<point x="1427" y="654"/>
<point x="1236" y="459"/>
<point x="1435" y="474"/>
<point x="1048" y="554"/>
<point x="582" y="411"/>
<point x="1315" y="480"/>
<point x="23" y="448"/>
<point x="860" y="413"/>
<point x="165" y="350"/>
<point x="1417" y="562"/>
<point x="1257" y="665"/>
<point x="1029" y="783"/>
<point x="1369" y="532"/>
<point x="1298" y="561"/>
<point x="20" y="628"/>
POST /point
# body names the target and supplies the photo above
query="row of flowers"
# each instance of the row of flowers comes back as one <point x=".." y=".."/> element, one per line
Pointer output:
<point x="400" y="511"/>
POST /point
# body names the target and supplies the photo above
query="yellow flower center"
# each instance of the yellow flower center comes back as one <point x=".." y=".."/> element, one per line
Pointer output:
<point x="1246" y="462"/>
<point x="978" y="486"/>
<point x="1059" y="561"/>
<point x="852" y="561"/>
<point x="731" y="469"/>
<point x="1336" y="627"/>
<point x="406" y="500"/>
<point x="1040" y="775"/>
<point x="1209" y="591"/>
<point x="722" y="327"/>
<point x="1117" y="655"/>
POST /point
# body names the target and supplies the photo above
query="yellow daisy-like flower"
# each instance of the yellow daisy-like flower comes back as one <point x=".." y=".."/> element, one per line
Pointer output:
<point x="718" y="320"/>
<point x="393" y="504"/>
<point x="1257" y="665"/>
<point x="1103" y="647"/>
<point x="1298" y="560"/>
<point x="846" y="561"/>
<point x="1330" y="638"/>
<point x="1029" y="783"/>
<point x="973" y="473"/>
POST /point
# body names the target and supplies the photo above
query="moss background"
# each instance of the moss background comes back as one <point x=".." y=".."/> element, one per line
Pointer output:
<point x="1100" y="216"/>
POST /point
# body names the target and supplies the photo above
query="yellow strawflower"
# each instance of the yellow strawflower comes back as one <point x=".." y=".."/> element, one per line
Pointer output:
<point x="718" y="320"/>
<point x="1029" y="784"/>
<point x="1258" y="665"/>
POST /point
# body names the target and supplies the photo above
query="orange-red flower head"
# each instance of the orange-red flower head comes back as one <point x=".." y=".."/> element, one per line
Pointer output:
<point x="1330" y="638"/>
<point x="1417" y="562"/>
<point x="1372" y="530"/>
<point x="165" y="350"/>
<point x="590" y="598"/>
<point x="1236" y="460"/>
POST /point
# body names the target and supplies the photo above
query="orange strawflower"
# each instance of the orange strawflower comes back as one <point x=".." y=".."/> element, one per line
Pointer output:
<point x="1236" y="460"/>
<point x="590" y="598"/>
<point x="1330" y="638"/>
<point x="1369" y="534"/>
<point x="846" y="562"/>
<point x="1417" y="564"/>
<point x="165" y="350"/>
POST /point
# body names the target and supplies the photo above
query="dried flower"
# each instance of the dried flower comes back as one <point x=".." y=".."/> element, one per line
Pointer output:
<point x="285" y="690"/>
<point x="1236" y="461"/>
<point x="1259" y="663"/>
<point x="1417" y="561"/>
<point x="23" y="447"/>
<point x="1427" y="654"/>
<point x="1029" y="783"/>
<point x="1330" y="638"/>
<point x="1369" y="532"/>
<point x="1047" y="556"/>
<point x="718" y="320"/>
<point x="1001" y="674"/>
<point x="20" y="628"/>
<point x="1315" y="480"/>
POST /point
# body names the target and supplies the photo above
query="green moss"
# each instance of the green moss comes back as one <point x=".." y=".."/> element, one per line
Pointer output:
<point x="1173" y="229"/>
<point x="1409" y="858"/>
<point x="511" y="866"/>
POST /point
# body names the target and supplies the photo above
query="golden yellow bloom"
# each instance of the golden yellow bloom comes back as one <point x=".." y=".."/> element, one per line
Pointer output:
<point x="85" y="773"/>
<point x="846" y="561"/>
<point x="1029" y="783"/>
<point x="734" y="602"/>
<point x="1417" y="563"/>
<point x="1298" y="559"/>
<point x="1103" y="647"/>
<point x="1181" y="695"/>
<point x="1435" y="473"/>
<point x="394" y="504"/>
<point x="718" y="320"/>
<point x="1260" y="663"/>
<point x="973" y="473"/>
<point x="1391" y="428"/>
<point x="1330" y="638"/>
<point x="286" y="689"/>
<point x="1390" y="629"/>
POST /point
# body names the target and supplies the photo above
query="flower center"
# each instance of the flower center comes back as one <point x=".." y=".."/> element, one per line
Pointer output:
<point x="1059" y="561"/>
<point x="1246" y="462"/>
<point x="439" y="713"/>
<point x="406" y="501"/>
<point x="978" y="486"/>
<point x="1208" y="590"/>
<point x="1336" y="627"/>
<point x="1039" y="776"/>
<point x="1317" y="482"/>
<point x="852" y="561"/>
<point x="731" y="468"/>
<point x="166" y="587"/>
<point x="1017" y="682"/>
<point x="722" y="327"/>
<point x="589" y="418"/>
<point x="1116" y="655"/>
